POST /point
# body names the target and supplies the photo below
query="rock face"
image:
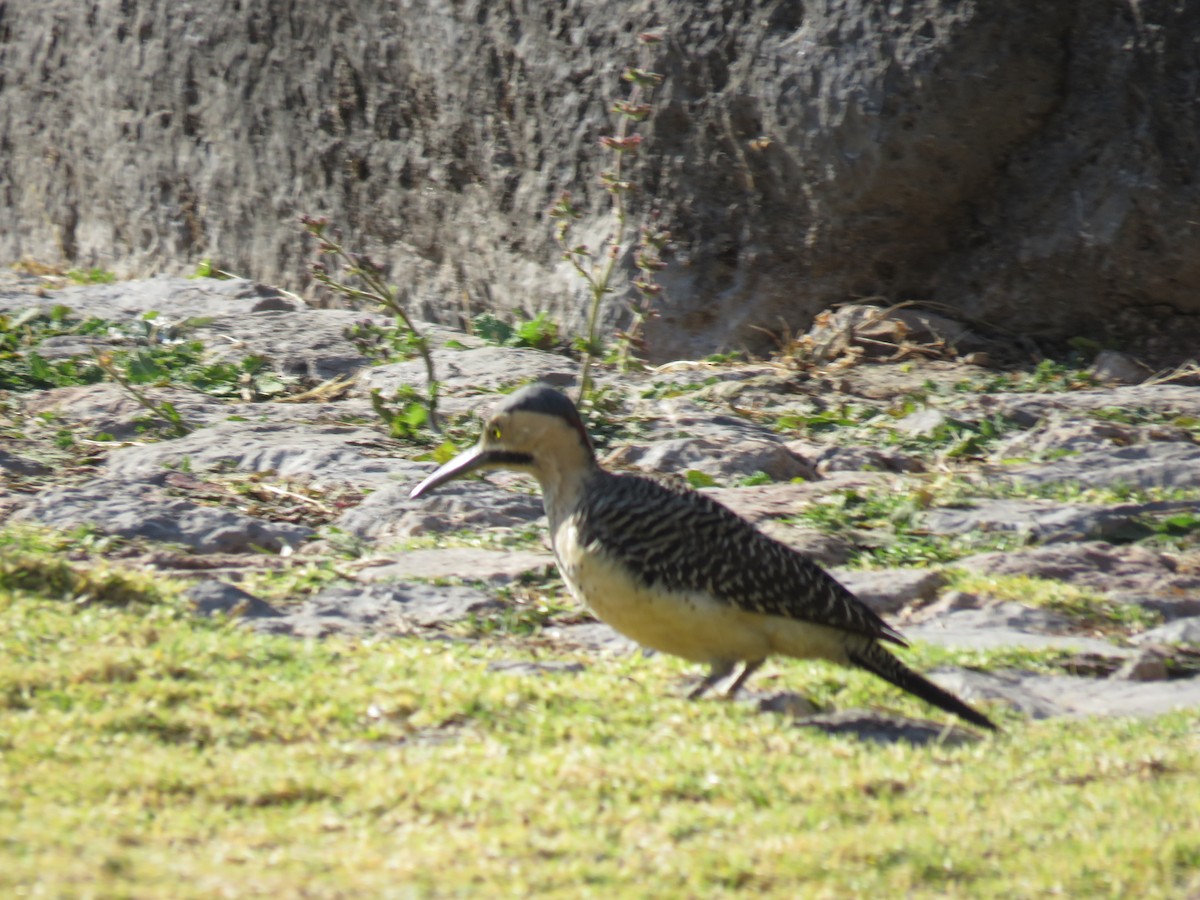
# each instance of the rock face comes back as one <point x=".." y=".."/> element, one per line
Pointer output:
<point x="1032" y="165"/>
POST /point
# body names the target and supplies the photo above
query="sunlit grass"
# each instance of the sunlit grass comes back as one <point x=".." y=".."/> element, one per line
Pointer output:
<point x="146" y="753"/>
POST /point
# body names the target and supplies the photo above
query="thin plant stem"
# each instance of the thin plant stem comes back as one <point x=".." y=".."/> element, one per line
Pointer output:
<point x="159" y="411"/>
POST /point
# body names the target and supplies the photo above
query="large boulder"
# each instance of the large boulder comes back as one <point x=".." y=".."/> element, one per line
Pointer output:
<point x="1032" y="165"/>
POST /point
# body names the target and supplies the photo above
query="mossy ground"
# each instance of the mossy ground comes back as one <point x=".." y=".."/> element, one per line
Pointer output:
<point x="146" y="753"/>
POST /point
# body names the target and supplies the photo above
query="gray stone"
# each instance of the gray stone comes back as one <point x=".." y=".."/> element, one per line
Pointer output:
<point x="1181" y="631"/>
<point x="1059" y="435"/>
<point x="889" y="590"/>
<point x="526" y="668"/>
<point x="487" y="368"/>
<point x="1017" y="690"/>
<point x="1133" y="574"/>
<point x="212" y="598"/>
<point x="761" y="502"/>
<point x="109" y="408"/>
<point x="592" y="636"/>
<point x="826" y="549"/>
<point x="1145" y="666"/>
<point x="467" y="563"/>
<point x="311" y="343"/>
<point x="378" y="609"/>
<point x="1120" y="368"/>
<point x="720" y="460"/>
<point x="1160" y="399"/>
<point x="1007" y="625"/>
<point x="15" y="464"/>
<point x="1043" y="696"/>
<point x="866" y="459"/>
<point x="329" y="453"/>
<point x="790" y="185"/>
<point x="922" y="422"/>
<point x="133" y="510"/>
<point x="1157" y="465"/>
<point x="176" y="300"/>
<point x="1046" y="521"/>
<point x="389" y="513"/>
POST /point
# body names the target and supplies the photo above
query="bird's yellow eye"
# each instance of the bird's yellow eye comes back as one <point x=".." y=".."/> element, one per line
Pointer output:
<point x="495" y="432"/>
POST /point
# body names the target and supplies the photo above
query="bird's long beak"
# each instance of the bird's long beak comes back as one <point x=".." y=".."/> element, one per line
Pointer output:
<point x="468" y="461"/>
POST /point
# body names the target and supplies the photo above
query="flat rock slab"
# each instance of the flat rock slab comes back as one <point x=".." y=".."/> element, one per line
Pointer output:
<point x="135" y="510"/>
<point x="175" y="299"/>
<point x="15" y="464"/>
<point x="720" y="459"/>
<point x="107" y="407"/>
<point x="1161" y="399"/>
<point x="526" y="668"/>
<point x="312" y="343"/>
<point x="473" y="370"/>
<point x="1157" y="465"/>
<point x="1049" y="521"/>
<point x="1044" y="696"/>
<point x="389" y="513"/>
<point x="1181" y="631"/>
<point x="211" y="597"/>
<point x="329" y="453"/>
<point x="776" y="501"/>
<point x="594" y="636"/>
<point x="890" y="590"/>
<point x="467" y="563"/>
<point x="1008" y="625"/>
<point x="377" y="609"/>
<point x="1164" y="582"/>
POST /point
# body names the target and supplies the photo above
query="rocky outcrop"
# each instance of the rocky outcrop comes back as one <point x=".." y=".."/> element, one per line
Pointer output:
<point x="1031" y="165"/>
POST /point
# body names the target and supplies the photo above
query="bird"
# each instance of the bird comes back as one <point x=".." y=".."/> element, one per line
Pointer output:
<point x="676" y="571"/>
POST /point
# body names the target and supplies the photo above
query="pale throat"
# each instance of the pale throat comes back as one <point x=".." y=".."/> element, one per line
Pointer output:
<point x="562" y="488"/>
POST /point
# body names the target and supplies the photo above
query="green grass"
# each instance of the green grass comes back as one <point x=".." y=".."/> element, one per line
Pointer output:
<point x="145" y="753"/>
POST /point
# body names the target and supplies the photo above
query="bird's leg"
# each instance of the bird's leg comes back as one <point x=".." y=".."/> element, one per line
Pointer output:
<point x="752" y="666"/>
<point x="716" y="672"/>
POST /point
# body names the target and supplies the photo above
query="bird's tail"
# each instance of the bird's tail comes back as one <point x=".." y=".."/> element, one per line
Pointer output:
<point x="874" y="658"/>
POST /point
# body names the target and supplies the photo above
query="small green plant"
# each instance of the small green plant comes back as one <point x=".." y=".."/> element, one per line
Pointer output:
<point x="383" y="344"/>
<point x="94" y="275"/>
<point x="359" y="278"/>
<point x="756" y="478"/>
<point x="206" y="269"/>
<point x="598" y="267"/>
<point x="405" y="414"/>
<point x="22" y="368"/>
<point x="538" y="333"/>
<point x="163" y="410"/>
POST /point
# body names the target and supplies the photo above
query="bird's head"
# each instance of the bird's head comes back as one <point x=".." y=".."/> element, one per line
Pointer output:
<point x="536" y="430"/>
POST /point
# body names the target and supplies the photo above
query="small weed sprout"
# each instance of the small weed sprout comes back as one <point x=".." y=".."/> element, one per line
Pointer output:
<point x="597" y="267"/>
<point x="347" y="268"/>
<point x="160" y="409"/>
